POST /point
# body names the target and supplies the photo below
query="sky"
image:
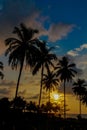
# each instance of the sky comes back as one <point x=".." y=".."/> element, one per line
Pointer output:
<point x="62" y="23"/>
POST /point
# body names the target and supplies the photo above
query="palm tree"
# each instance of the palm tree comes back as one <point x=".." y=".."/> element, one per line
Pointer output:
<point x="45" y="59"/>
<point x="21" y="49"/>
<point x="1" y="68"/>
<point x="79" y="90"/>
<point x="50" y="81"/>
<point x="84" y="97"/>
<point x="66" y="71"/>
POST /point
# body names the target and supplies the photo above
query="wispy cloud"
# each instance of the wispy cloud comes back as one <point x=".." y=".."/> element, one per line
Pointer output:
<point x="4" y="92"/>
<point x="84" y="46"/>
<point x="77" y="51"/>
<point x="59" y="31"/>
<point x="72" y="53"/>
<point x="7" y="88"/>
<point x="7" y="83"/>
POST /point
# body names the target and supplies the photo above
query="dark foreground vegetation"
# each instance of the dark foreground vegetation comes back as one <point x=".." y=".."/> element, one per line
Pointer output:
<point x="17" y="114"/>
<point x="15" y="120"/>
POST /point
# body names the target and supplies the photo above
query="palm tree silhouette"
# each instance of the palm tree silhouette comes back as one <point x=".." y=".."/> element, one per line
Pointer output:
<point x="66" y="71"/>
<point x="79" y="90"/>
<point x="1" y="68"/>
<point x="21" y="49"/>
<point x="84" y="97"/>
<point x="50" y="81"/>
<point x="45" y="59"/>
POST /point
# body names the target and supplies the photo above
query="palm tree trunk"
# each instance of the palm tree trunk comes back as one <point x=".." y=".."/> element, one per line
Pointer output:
<point x="21" y="67"/>
<point x="64" y="101"/>
<point x="49" y="95"/>
<point x="41" y="86"/>
<point x="80" y="107"/>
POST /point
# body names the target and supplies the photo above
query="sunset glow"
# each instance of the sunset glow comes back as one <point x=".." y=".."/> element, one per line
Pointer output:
<point x="56" y="96"/>
<point x="58" y="22"/>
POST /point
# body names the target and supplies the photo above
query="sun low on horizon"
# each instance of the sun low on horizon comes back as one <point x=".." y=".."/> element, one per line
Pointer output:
<point x="56" y="97"/>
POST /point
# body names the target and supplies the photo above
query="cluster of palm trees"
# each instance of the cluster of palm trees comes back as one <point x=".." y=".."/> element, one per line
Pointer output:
<point x="25" y="49"/>
<point x="30" y="51"/>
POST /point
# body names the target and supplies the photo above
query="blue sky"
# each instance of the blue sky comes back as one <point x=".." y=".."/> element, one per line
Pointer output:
<point x="68" y="12"/>
<point x="62" y="23"/>
<point x="67" y="16"/>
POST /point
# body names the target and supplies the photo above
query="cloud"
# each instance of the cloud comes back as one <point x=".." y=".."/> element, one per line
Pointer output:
<point x="59" y="31"/>
<point x="34" y="97"/>
<point x="4" y="92"/>
<point x="80" y="55"/>
<point x="84" y="46"/>
<point x="7" y="83"/>
<point x="81" y="65"/>
<point x="54" y="33"/>
<point x="77" y="51"/>
<point x="35" y="21"/>
<point x="12" y="14"/>
<point x="72" y="53"/>
<point x="81" y="61"/>
<point x="7" y="89"/>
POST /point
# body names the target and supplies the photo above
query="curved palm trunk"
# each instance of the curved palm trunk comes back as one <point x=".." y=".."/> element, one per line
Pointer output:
<point x="21" y="67"/>
<point x="41" y="86"/>
<point x="64" y="101"/>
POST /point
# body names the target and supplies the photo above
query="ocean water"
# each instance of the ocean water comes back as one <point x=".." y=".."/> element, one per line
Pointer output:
<point x="75" y="116"/>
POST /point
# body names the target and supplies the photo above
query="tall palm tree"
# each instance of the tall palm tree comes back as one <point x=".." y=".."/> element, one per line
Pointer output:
<point x="79" y="90"/>
<point x="66" y="71"/>
<point x="45" y="59"/>
<point x="50" y="81"/>
<point x="84" y="98"/>
<point x="21" y="49"/>
<point x="1" y="68"/>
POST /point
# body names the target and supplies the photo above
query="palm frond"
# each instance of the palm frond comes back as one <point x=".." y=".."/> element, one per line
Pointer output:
<point x="18" y="32"/>
<point x="1" y="65"/>
<point x="28" y="33"/>
<point x="1" y="75"/>
<point x="12" y="41"/>
<point x="36" y="68"/>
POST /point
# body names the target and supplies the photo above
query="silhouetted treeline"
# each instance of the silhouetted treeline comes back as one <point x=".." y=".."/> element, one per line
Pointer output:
<point x="28" y="116"/>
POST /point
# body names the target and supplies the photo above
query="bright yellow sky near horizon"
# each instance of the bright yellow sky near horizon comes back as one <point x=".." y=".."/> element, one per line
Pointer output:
<point x="29" y="89"/>
<point x="72" y="103"/>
